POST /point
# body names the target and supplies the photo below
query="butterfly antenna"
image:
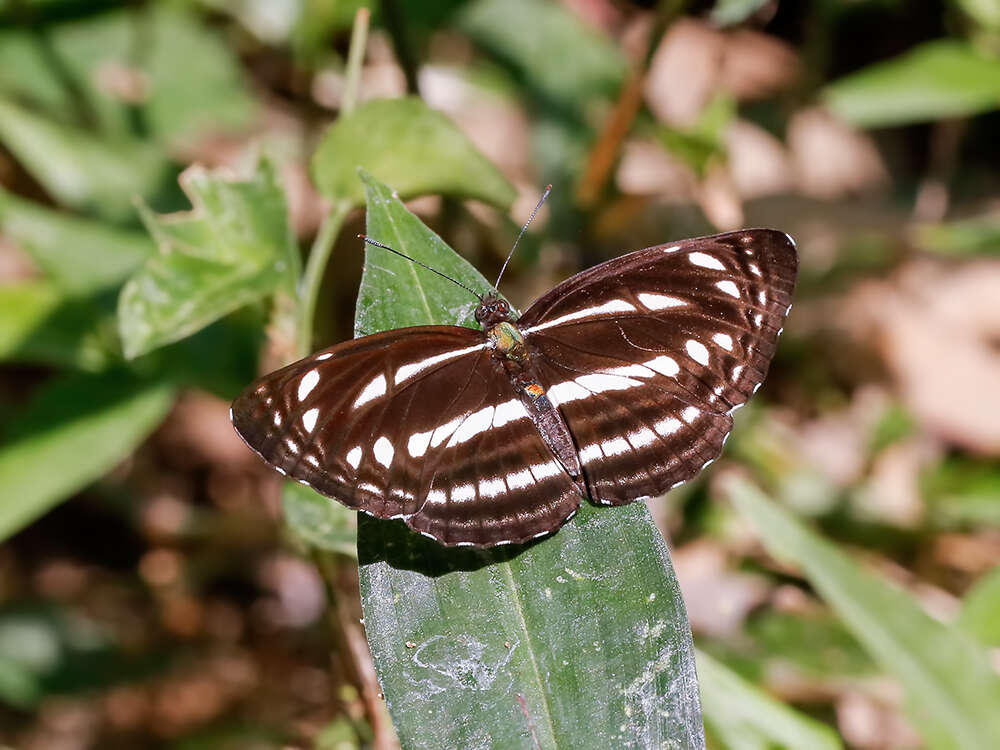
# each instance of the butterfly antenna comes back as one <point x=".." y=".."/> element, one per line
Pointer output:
<point x="376" y="243"/>
<point x="548" y="189"/>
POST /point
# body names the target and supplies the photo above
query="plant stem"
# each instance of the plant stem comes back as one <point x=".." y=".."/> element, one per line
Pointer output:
<point x="312" y="279"/>
<point x="355" y="56"/>
<point x="322" y="246"/>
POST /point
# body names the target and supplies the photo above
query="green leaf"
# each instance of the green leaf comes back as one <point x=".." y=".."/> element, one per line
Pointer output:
<point x="189" y="79"/>
<point x="743" y="717"/>
<point x="319" y="521"/>
<point x="233" y="248"/>
<point x="933" y="81"/>
<point x="564" y="60"/>
<point x="980" y="613"/>
<point x="74" y="431"/>
<point x="578" y="641"/>
<point x="82" y="256"/>
<point x="38" y="324"/>
<point x="409" y="145"/>
<point x="952" y="691"/>
<point x="968" y="237"/>
<point x="81" y="170"/>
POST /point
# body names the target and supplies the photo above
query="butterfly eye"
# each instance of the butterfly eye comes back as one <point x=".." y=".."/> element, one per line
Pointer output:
<point x="503" y="307"/>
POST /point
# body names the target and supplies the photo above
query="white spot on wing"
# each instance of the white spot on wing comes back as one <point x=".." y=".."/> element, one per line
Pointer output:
<point x="615" y="446"/>
<point x="491" y="488"/>
<point x="664" y="365"/>
<point x="383" y="451"/>
<point x="706" y="261"/>
<point x="408" y="371"/>
<point x="598" y="382"/>
<point x="690" y="414"/>
<point x="520" y="479"/>
<point x="418" y="442"/>
<point x="697" y="351"/>
<point x="546" y="470"/>
<point x="477" y="423"/>
<point x="463" y="493"/>
<point x="724" y="340"/>
<point x="443" y="432"/>
<point x="672" y="249"/>
<point x="659" y="301"/>
<point x="374" y="389"/>
<point x="642" y="437"/>
<point x="509" y="411"/>
<point x="435" y="497"/>
<point x="611" y="306"/>
<point x="667" y="426"/>
<point x="729" y="287"/>
<point x="563" y="393"/>
<point x="309" y="419"/>
<point x="354" y="456"/>
<point x="590" y="452"/>
<point x="323" y="357"/>
<point x="308" y="382"/>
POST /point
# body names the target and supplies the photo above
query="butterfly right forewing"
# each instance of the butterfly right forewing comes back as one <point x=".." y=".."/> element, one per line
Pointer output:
<point x="647" y="354"/>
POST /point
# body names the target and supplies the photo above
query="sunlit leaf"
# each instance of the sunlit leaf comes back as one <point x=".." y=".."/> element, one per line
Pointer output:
<point x="578" y="641"/>
<point x="82" y="256"/>
<point x="233" y="248"/>
<point x="740" y="716"/>
<point x="952" y="691"/>
<point x="319" y="521"/>
<point x="980" y="614"/>
<point x="79" y="169"/>
<point x="933" y="81"/>
<point x="73" y="432"/>
<point x="407" y="144"/>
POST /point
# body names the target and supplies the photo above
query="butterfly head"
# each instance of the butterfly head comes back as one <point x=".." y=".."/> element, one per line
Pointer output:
<point x="492" y="310"/>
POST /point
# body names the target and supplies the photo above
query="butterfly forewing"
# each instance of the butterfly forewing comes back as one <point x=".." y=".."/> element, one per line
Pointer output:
<point x="416" y="423"/>
<point x="647" y="354"/>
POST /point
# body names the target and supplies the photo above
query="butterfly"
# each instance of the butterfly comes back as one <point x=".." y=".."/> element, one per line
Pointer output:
<point x="618" y="385"/>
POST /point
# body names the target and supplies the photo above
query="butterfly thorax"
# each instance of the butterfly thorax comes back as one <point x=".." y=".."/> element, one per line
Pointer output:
<point x="508" y="341"/>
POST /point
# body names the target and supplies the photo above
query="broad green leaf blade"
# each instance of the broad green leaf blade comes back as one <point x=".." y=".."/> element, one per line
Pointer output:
<point x="565" y="61"/>
<point x="409" y="145"/>
<point x="319" y="521"/>
<point x="39" y="324"/>
<point x="77" y="168"/>
<point x="578" y="641"/>
<point x="740" y="716"/>
<point x="934" y="81"/>
<point x="952" y="692"/>
<point x="82" y="256"/>
<point x="233" y="248"/>
<point x="980" y="614"/>
<point x="74" y="432"/>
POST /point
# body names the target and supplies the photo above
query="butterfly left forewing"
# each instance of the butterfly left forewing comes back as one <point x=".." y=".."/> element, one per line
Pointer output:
<point x="417" y="423"/>
<point x="646" y="355"/>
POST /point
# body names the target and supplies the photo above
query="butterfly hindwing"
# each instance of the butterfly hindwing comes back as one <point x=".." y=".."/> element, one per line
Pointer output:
<point x="646" y="355"/>
<point x="416" y="423"/>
